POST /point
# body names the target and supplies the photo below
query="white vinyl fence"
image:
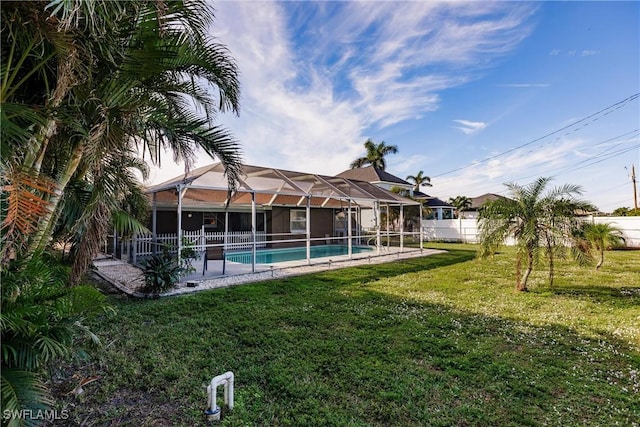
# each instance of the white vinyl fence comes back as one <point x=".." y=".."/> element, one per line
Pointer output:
<point x="466" y="230"/>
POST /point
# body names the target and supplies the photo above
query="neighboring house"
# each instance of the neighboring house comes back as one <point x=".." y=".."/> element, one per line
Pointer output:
<point x="285" y="208"/>
<point x="389" y="182"/>
<point x="439" y="209"/>
<point x="477" y="203"/>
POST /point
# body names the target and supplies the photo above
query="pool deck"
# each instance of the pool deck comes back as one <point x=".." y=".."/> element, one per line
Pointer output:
<point x="128" y="278"/>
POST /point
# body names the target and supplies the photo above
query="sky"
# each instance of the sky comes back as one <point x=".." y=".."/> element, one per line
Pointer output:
<point x="474" y="94"/>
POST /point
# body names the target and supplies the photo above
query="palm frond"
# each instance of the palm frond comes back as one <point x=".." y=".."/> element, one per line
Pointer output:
<point x="26" y="194"/>
<point x="23" y="390"/>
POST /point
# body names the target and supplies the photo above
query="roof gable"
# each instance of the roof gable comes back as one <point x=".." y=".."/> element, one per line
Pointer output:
<point x="373" y="175"/>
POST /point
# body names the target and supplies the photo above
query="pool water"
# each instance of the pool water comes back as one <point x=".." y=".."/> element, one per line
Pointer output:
<point x="272" y="256"/>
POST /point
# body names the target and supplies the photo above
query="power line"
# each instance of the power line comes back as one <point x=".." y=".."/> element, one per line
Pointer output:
<point x="624" y="184"/>
<point x="610" y="156"/>
<point x="602" y="113"/>
<point x="570" y="168"/>
<point x="597" y="158"/>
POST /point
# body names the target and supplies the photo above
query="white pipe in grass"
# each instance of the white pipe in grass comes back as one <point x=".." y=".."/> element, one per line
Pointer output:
<point x="226" y="379"/>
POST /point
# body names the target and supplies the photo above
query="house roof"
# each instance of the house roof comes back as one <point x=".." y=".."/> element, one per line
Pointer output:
<point x="478" y="202"/>
<point x="430" y="201"/>
<point x="270" y="186"/>
<point x="421" y="196"/>
<point x="434" y="202"/>
<point x="372" y="175"/>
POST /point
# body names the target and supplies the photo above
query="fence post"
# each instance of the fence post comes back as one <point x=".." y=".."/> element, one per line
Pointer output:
<point x="134" y="249"/>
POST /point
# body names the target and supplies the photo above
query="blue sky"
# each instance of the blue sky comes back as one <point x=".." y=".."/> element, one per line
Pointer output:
<point x="458" y="87"/>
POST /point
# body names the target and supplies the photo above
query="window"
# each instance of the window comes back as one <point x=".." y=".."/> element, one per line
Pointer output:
<point x="211" y="221"/>
<point x="298" y="220"/>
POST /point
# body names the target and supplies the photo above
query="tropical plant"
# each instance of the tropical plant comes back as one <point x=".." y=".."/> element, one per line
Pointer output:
<point x="460" y="203"/>
<point x="88" y="85"/>
<point x="419" y="180"/>
<point x="559" y="225"/>
<point x="601" y="237"/>
<point x="161" y="271"/>
<point x="535" y="220"/>
<point x="624" y="211"/>
<point x="375" y="155"/>
<point x="41" y="320"/>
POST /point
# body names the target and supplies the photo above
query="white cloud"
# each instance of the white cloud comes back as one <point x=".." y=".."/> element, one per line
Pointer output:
<point x="317" y="77"/>
<point x="589" y="52"/>
<point x="521" y="166"/>
<point x="469" y="127"/>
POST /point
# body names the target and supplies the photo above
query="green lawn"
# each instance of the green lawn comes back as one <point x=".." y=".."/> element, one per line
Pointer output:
<point x="437" y="341"/>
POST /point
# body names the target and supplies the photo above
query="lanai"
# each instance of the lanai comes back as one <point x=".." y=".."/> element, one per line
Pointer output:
<point x="265" y="189"/>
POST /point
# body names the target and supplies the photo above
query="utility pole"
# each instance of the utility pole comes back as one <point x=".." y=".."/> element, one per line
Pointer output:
<point x="635" y="192"/>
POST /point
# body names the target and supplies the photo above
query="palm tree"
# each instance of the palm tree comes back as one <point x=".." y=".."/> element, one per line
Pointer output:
<point x="460" y="203"/>
<point x="419" y="180"/>
<point x="86" y="86"/>
<point x="375" y="155"/>
<point x="111" y="78"/>
<point x="602" y="236"/>
<point x="531" y="217"/>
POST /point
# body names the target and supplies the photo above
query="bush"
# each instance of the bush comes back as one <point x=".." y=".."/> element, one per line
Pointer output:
<point x="624" y="211"/>
<point x="41" y="320"/>
<point x="161" y="272"/>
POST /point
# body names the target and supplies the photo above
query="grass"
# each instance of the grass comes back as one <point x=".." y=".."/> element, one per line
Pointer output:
<point x="439" y="341"/>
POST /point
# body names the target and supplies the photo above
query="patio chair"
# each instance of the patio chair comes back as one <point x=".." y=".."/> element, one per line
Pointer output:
<point x="215" y="253"/>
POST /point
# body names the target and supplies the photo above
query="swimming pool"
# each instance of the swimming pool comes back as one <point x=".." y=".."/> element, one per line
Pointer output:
<point x="271" y="256"/>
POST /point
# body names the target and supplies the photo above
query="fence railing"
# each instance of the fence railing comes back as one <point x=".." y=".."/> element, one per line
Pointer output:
<point x="146" y="244"/>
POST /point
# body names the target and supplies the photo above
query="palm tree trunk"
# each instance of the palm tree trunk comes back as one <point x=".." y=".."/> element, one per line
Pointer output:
<point x="551" y="265"/>
<point x="518" y="272"/>
<point x="551" y="272"/>
<point x="65" y="81"/>
<point x="523" y="284"/>
<point x="601" y="260"/>
<point x="46" y="226"/>
<point x="90" y="244"/>
<point x="47" y="223"/>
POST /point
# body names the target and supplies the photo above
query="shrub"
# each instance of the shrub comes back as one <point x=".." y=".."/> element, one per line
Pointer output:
<point x="41" y="320"/>
<point x="161" y="271"/>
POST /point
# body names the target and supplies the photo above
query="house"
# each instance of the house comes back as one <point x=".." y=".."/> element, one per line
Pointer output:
<point x="477" y="203"/>
<point x="271" y="208"/>
<point x="438" y="209"/>
<point x="389" y="182"/>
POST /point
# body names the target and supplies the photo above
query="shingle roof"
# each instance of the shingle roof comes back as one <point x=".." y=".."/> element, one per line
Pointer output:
<point x="371" y="174"/>
<point x="434" y="202"/>
<point x="478" y="202"/>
